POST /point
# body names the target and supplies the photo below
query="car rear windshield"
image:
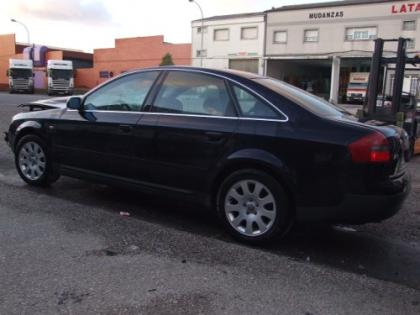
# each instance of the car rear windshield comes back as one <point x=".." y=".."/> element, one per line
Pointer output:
<point x="312" y="103"/>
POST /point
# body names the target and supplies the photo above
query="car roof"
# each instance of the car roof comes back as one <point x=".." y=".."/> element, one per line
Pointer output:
<point x="229" y="73"/>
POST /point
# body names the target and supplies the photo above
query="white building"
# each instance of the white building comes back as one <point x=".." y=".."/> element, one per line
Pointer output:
<point x="230" y="42"/>
<point x="319" y="45"/>
<point x="314" y="46"/>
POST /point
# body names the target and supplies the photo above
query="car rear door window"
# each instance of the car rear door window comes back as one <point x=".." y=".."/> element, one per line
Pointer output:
<point x="253" y="107"/>
<point x="191" y="93"/>
<point x="124" y="94"/>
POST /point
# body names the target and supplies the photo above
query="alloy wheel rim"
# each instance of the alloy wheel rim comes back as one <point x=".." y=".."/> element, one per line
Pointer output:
<point x="250" y="208"/>
<point x="32" y="161"/>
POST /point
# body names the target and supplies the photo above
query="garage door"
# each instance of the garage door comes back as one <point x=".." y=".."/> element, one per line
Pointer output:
<point x="249" y="65"/>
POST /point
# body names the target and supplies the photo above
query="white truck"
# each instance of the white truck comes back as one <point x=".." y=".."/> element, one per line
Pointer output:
<point x="20" y="74"/>
<point x="60" y="77"/>
<point x="357" y="88"/>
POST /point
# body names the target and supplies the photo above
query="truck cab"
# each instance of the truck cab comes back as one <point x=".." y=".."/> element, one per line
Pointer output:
<point x="21" y="77"/>
<point x="60" y="77"/>
<point x="357" y="87"/>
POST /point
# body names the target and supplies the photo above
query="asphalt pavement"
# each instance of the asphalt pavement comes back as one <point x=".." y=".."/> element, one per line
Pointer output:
<point x="67" y="250"/>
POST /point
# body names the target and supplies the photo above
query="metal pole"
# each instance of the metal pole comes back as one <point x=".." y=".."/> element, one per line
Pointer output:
<point x="202" y="31"/>
<point x="26" y="28"/>
<point x="399" y="75"/>
<point x="375" y="68"/>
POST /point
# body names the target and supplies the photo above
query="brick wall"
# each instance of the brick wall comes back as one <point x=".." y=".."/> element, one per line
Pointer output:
<point x="7" y="51"/>
<point x="132" y="53"/>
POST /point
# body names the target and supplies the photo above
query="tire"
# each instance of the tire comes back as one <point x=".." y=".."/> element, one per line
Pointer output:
<point x="33" y="162"/>
<point x="243" y="213"/>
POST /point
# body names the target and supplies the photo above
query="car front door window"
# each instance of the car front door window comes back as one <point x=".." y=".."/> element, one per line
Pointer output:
<point x="124" y="94"/>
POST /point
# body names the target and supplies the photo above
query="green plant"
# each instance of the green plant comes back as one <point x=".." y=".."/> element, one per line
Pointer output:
<point x="167" y="60"/>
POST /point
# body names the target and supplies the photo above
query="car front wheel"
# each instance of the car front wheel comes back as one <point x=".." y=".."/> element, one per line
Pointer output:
<point x="253" y="206"/>
<point x="33" y="162"/>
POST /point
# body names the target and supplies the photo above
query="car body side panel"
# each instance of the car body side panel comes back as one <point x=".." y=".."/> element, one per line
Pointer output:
<point x="96" y="141"/>
<point x="188" y="148"/>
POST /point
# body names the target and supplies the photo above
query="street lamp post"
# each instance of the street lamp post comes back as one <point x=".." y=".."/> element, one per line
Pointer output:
<point x="26" y="28"/>
<point x="202" y="31"/>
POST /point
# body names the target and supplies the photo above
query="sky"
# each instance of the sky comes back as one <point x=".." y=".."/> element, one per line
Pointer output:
<point x="89" y="24"/>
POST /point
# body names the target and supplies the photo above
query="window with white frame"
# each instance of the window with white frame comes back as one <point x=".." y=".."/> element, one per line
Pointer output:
<point x="201" y="53"/>
<point x="202" y="29"/>
<point x="280" y="37"/>
<point x="311" y="36"/>
<point x="411" y="43"/>
<point x="409" y="25"/>
<point x="249" y="32"/>
<point x="361" y="33"/>
<point x="221" y="34"/>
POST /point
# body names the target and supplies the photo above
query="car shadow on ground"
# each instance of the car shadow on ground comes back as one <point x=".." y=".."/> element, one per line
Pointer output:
<point x="343" y="248"/>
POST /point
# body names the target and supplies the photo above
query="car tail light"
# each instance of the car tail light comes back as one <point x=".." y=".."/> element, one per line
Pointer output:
<point x="373" y="148"/>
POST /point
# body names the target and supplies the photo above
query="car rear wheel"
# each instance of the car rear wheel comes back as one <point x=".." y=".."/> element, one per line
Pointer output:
<point x="253" y="206"/>
<point x="33" y="162"/>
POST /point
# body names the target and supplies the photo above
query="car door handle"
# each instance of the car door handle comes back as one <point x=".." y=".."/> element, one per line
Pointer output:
<point x="214" y="136"/>
<point x="126" y="128"/>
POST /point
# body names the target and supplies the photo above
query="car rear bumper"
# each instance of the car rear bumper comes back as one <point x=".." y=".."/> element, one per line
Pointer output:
<point x="359" y="209"/>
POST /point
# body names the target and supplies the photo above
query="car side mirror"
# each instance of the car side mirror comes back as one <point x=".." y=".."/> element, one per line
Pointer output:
<point x="75" y="102"/>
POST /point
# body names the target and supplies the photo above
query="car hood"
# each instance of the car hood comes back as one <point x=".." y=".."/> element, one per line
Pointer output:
<point x="51" y="103"/>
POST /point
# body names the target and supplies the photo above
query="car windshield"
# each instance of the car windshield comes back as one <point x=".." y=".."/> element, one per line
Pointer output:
<point x="61" y="74"/>
<point x="357" y="85"/>
<point x="305" y="99"/>
<point x="21" y="73"/>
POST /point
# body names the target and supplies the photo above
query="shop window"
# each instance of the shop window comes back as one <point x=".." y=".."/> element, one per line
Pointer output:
<point x="280" y="37"/>
<point x="249" y="33"/>
<point x="311" y="36"/>
<point x="361" y="33"/>
<point x="221" y="34"/>
<point x="409" y="25"/>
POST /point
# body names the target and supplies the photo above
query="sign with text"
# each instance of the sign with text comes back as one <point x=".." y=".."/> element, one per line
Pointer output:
<point x="410" y="7"/>
<point x="326" y="15"/>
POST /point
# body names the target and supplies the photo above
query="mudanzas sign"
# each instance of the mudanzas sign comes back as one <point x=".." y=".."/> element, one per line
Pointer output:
<point x="406" y="7"/>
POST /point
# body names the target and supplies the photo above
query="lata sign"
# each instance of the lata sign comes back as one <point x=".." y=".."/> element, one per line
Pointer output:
<point x="406" y="8"/>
